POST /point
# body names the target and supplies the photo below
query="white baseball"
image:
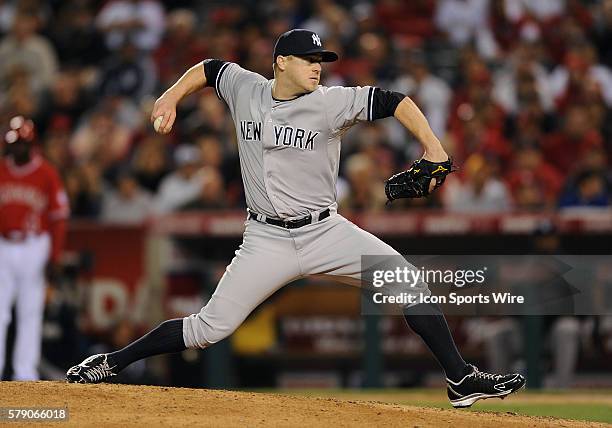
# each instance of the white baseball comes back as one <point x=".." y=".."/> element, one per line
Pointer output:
<point x="157" y="123"/>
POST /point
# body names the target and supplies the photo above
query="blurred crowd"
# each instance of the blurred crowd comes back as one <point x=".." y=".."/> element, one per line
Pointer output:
<point x="518" y="91"/>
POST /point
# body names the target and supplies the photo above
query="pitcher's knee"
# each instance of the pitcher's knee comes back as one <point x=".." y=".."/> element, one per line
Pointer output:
<point x="200" y="332"/>
<point x="420" y="293"/>
<point x="415" y="289"/>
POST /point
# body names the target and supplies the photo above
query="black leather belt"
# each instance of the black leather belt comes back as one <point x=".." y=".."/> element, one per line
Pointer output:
<point x="290" y="224"/>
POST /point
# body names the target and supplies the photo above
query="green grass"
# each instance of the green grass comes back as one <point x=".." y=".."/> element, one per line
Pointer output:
<point x="564" y="404"/>
<point x="583" y="412"/>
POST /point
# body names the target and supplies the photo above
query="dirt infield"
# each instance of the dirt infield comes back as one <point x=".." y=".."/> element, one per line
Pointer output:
<point x="128" y="405"/>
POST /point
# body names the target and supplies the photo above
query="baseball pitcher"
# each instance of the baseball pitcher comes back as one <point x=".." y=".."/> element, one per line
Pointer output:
<point x="289" y="132"/>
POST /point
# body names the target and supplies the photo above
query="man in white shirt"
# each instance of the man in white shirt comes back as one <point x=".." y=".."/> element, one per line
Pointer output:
<point x="183" y="185"/>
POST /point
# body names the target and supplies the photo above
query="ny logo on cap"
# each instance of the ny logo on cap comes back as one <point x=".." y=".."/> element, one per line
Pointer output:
<point x="316" y="40"/>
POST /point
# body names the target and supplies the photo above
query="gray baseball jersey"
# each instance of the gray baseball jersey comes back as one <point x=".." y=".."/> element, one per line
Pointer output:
<point x="289" y="155"/>
<point x="289" y="150"/>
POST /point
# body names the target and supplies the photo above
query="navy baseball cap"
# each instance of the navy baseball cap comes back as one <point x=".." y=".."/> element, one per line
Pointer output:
<point x="302" y="42"/>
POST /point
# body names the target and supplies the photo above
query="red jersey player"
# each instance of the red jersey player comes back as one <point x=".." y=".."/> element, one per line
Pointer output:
<point x="33" y="213"/>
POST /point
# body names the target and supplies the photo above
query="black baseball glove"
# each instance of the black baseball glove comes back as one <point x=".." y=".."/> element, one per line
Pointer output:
<point x="414" y="183"/>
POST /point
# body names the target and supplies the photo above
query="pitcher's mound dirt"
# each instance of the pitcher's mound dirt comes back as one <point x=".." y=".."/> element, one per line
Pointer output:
<point x="129" y="405"/>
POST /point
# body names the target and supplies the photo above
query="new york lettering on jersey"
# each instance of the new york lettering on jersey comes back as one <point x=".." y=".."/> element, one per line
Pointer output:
<point x="294" y="137"/>
<point x="250" y="130"/>
<point x="289" y="150"/>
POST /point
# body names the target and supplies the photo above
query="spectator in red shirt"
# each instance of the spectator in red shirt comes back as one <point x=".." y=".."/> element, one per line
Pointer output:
<point x="180" y="46"/>
<point x="571" y="80"/>
<point x="530" y="170"/>
<point x="412" y="18"/>
<point x="476" y="123"/>
<point x="479" y="134"/>
<point x="575" y="139"/>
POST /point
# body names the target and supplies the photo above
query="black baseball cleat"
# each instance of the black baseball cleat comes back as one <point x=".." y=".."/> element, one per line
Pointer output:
<point x="480" y="385"/>
<point x="94" y="369"/>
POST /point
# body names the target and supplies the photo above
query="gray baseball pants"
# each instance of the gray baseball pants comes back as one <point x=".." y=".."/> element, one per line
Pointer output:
<point x="271" y="257"/>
